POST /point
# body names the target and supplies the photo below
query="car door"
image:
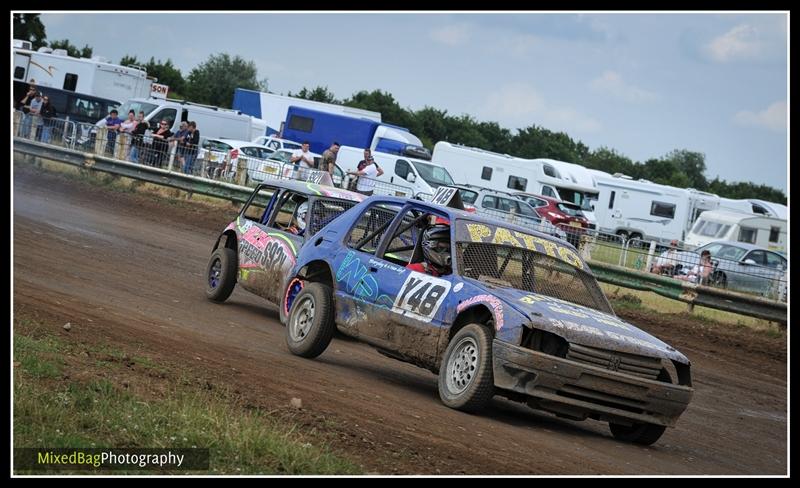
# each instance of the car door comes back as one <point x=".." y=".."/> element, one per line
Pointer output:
<point x="268" y="248"/>
<point x="754" y="272"/>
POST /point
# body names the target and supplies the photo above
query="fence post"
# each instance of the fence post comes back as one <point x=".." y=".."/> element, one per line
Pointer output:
<point x="650" y="255"/>
<point x="623" y="256"/>
<point x="100" y="140"/>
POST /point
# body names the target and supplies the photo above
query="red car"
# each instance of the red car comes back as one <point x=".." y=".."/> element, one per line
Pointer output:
<point x="564" y="215"/>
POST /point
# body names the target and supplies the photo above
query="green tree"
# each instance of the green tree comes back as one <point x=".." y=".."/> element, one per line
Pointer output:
<point x="378" y="101"/>
<point x="214" y="81"/>
<point x="690" y="164"/>
<point x="29" y="27"/>
<point x="538" y="142"/>
<point x="318" y="94"/>
<point x="610" y="161"/>
<point x="167" y="74"/>
<point x="84" y="52"/>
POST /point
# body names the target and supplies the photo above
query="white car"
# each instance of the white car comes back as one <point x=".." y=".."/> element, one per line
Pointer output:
<point x="276" y="144"/>
<point x="220" y="158"/>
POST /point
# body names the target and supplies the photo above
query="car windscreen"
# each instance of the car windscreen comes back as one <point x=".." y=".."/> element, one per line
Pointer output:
<point x="434" y="175"/>
<point x="570" y="209"/>
<point x="137" y="107"/>
<point x="723" y="251"/>
<point x="213" y="145"/>
<point x="468" y="196"/>
<point x="529" y="270"/>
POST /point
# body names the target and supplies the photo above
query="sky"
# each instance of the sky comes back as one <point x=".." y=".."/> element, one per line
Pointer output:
<point x="642" y="84"/>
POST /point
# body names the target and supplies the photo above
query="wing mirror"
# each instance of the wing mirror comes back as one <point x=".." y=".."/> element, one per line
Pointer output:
<point x="411" y="177"/>
<point x="748" y="261"/>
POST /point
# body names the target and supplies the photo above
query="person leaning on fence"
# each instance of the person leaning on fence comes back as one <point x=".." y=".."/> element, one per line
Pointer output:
<point x="36" y="114"/>
<point x="25" y="106"/>
<point x="127" y="127"/>
<point x="191" y="142"/>
<point x="137" y="144"/>
<point x="302" y="159"/>
<point x="366" y="185"/>
<point x="48" y="114"/>
<point x="160" y="143"/>
<point x="667" y="261"/>
<point x="329" y="158"/>
<point x="179" y="139"/>
<point x="700" y="272"/>
<point x="113" y="123"/>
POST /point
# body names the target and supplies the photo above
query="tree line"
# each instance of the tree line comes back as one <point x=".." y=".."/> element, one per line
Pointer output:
<point x="214" y="81"/>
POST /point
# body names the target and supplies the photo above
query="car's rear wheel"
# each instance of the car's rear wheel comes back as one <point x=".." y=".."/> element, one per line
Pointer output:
<point x="221" y="274"/>
<point x="644" y="434"/>
<point x="311" y="326"/>
<point x="466" y="380"/>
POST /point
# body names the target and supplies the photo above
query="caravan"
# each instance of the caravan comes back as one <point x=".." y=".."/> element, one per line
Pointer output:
<point x="509" y="173"/>
<point x="755" y="207"/>
<point x="640" y="209"/>
<point x="722" y="225"/>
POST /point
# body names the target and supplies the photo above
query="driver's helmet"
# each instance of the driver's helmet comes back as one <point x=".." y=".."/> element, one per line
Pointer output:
<point x="300" y="216"/>
<point x="436" y="245"/>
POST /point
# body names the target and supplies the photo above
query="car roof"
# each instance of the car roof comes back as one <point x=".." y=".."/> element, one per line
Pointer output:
<point x="741" y="245"/>
<point x="234" y="142"/>
<point x="479" y="189"/>
<point x="314" y="189"/>
<point x="464" y="215"/>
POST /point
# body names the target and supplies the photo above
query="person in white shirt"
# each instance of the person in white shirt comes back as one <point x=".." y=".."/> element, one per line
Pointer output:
<point x="366" y="186"/>
<point x="666" y="263"/>
<point x="302" y="158"/>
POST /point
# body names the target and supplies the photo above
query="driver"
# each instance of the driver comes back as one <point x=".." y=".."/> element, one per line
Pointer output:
<point x="298" y="225"/>
<point x="436" y="250"/>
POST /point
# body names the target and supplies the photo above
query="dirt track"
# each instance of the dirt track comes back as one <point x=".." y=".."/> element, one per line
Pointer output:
<point x="124" y="269"/>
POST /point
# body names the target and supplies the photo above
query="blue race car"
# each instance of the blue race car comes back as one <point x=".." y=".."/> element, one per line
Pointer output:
<point x="514" y="312"/>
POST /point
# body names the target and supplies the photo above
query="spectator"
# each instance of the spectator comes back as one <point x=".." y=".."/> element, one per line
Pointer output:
<point x="48" y="114"/>
<point x="366" y="185"/>
<point x="161" y="142"/>
<point x="137" y="144"/>
<point x="700" y="272"/>
<point x="191" y="143"/>
<point x="329" y="158"/>
<point x="361" y="165"/>
<point x="302" y="159"/>
<point x="178" y="138"/>
<point x="25" y="107"/>
<point x="113" y="123"/>
<point x="35" y="113"/>
<point x="667" y="261"/>
<point x="127" y="127"/>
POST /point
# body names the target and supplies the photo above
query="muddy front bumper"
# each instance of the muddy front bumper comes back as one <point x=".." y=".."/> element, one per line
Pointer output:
<point x="579" y="390"/>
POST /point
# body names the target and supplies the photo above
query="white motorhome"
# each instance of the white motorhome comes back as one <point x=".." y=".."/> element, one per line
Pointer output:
<point x="722" y="225"/>
<point x="212" y="122"/>
<point x="95" y="76"/>
<point x="503" y="172"/>
<point x="640" y="209"/>
<point x="423" y="177"/>
<point x="273" y="108"/>
<point x="755" y="207"/>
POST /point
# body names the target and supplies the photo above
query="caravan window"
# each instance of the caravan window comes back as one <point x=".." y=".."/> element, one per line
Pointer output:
<point x="86" y="109"/>
<point x="303" y="124"/>
<point x="747" y="235"/>
<point x="548" y="192"/>
<point x="549" y="170"/>
<point x="661" y="209"/>
<point x="611" y="199"/>
<point x="486" y="174"/>
<point x="517" y="183"/>
<point x="70" y="81"/>
<point x="19" y="72"/>
<point x="774" y="234"/>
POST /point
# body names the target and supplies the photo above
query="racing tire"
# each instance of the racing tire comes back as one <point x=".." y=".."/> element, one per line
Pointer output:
<point x="310" y="327"/>
<point x="221" y="274"/>
<point x="643" y="434"/>
<point x="466" y="379"/>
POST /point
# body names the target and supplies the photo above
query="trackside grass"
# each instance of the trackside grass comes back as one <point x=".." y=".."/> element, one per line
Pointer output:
<point x="69" y="395"/>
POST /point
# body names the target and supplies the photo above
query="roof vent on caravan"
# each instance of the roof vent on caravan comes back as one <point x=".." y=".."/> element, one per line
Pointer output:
<point x="621" y="175"/>
<point x="100" y="59"/>
<point x="60" y="52"/>
<point x="20" y="44"/>
<point x="550" y="171"/>
<point x="45" y="49"/>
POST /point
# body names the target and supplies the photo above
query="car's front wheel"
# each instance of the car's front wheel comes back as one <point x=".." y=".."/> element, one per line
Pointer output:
<point x="466" y="380"/>
<point x="644" y="434"/>
<point x="221" y="274"/>
<point x="311" y="326"/>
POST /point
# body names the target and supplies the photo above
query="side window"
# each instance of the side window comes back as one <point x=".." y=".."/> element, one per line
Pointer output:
<point x="326" y="210"/>
<point x="19" y="72"/>
<point x="486" y="174"/>
<point x="774" y="234"/>
<point x="405" y="240"/>
<point x="548" y="192"/>
<point x="747" y="235"/>
<point x="302" y="124"/>
<point x="401" y="168"/>
<point x="369" y="228"/>
<point x="274" y="145"/>
<point x="507" y="205"/>
<point x="539" y="202"/>
<point x="774" y="261"/>
<point x="291" y="214"/>
<point x="168" y="114"/>
<point x="661" y="209"/>
<point x="489" y="202"/>
<point x="758" y="256"/>
<point x="549" y="171"/>
<point x="70" y="81"/>
<point x="517" y="183"/>
<point x="256" y="208"/>
<point x="611" y="199"/>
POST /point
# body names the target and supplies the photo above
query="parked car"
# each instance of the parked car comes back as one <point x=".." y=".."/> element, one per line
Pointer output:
<point x="275" y="143"/>
<point x="564" y="215"/>
<point x="740" y="266"/>
<point x="509" y="311"/>
<point x="258" y="248"/>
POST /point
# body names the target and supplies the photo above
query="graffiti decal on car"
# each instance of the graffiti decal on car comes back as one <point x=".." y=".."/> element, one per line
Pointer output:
<point x="359" y="282"/>
<point x="492" y="301"/>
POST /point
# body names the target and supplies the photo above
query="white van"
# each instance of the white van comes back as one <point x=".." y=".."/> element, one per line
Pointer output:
<point x="722" y="225"/>
<point x="423" y="177"/>
<point x="212" y="122"/>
